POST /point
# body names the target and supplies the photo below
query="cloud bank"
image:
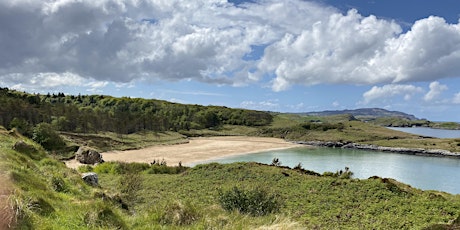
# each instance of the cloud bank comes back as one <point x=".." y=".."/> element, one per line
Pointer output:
<point x="55" y="42"/>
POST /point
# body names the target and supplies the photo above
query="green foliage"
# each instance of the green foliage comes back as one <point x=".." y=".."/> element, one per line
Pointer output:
<point x="22" y="126"/>
<point x="341" y="174"/>
<point x="96" y="113"/>
<point x="117" y="168"/>
<point x="445" y="125"/>
<point x="178" y="213"/>
<point x="45" y="135"/>
<point x="58" y="184"/>
<point x="103" y="216"/>
<point x="255" y="202"/>
<point x="130" y="185"/>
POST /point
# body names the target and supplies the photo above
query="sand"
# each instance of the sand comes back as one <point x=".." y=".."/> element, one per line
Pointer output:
<point x="197" y="150"/>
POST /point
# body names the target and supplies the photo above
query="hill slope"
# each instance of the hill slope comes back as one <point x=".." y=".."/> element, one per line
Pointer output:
<point x="367" y="113"/>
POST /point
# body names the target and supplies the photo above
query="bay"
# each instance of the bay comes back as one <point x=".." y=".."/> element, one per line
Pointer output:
<point x="427" y="173"/>
<point x="429" y="132"/>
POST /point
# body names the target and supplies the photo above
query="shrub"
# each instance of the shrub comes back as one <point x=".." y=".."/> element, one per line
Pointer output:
<point x="58" y="184"/>
<point x="256" y="202"/>
<point x="45" y="135"/>
<point x="347" y="174"/>
<point x="178" y="213"/>
<point x="85" y="168"/>
<point x="129" y="185"/>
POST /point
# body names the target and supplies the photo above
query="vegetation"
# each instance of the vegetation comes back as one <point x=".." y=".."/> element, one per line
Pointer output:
<point x="99" y="113"/>
<point x="343" y="128"/>
<point x="45" y="194"/>
<point x="48" y="195"/>
<point x="256" y="202"/>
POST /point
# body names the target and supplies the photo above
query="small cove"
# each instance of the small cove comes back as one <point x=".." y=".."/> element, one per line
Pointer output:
<point x="428" y="173"/>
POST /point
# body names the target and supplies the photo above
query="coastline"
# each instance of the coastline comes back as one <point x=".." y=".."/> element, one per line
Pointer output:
<point x="196" y="150"/>
<point x="400" y="150"/>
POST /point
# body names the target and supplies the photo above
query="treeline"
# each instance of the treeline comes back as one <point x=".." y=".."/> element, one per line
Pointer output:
<point x="95" y="113"/>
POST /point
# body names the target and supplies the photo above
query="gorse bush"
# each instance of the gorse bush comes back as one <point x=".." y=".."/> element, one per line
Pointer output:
<point x="255" y="202"/>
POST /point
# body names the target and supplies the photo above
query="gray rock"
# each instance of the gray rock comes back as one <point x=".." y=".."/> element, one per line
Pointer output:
<point x="91" y="178"/>
<point x="87" y="155"/>
<point x="23" y="147"/>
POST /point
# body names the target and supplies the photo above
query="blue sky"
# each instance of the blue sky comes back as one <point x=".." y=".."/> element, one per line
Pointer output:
<point x="277" y="55"/>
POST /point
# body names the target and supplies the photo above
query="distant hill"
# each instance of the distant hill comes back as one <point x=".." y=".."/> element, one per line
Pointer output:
<point x="364" y="113"/>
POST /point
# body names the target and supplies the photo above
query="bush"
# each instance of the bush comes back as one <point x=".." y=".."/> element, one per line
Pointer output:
<point x="58" y="184"/>
<point x="130" y="185"/>
<point x="178" y="213"/>
<point x="45" y="135"/>
<point x="341" y="174"/>
<point x="256" y="202"/>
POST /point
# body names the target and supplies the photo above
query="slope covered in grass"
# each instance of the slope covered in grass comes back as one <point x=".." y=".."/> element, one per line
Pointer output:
<point x="47" y="195"/>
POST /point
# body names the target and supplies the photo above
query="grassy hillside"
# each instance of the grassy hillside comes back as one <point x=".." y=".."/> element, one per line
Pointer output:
<point x="47" y="195"/>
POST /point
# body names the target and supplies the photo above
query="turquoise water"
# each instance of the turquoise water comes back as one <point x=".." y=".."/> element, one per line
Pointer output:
<point x="428" y="173"/>
<point x="439" y="133"/>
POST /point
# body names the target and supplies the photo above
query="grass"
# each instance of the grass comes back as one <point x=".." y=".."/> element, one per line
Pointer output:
<point x="106" y="141"/>
<point x="47" y="195"/>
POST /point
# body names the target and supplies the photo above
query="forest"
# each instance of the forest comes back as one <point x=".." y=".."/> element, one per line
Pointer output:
<point x="97" y="113"/>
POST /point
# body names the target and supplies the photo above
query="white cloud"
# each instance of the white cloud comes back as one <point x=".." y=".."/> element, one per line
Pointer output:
<point x="96" y="86"/>
<point x="435" y="91"/>
<point x="43" y="81"/>
<point x="208" y="40"/>
<point x="390" y="91"/>
<point x="456" y="99"/>
<point x="269" y="105"/>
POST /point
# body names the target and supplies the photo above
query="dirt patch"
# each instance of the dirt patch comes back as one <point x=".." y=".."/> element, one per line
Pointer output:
<point x="198" y="149"/>
<point x="6" y="211"/>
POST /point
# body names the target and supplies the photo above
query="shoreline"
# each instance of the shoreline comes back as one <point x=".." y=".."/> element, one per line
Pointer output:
<point x="196" y="150"/>
<point x="399" y="150"/>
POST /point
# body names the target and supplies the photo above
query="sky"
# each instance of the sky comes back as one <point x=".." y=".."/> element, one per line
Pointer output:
<point x="273" y="55"/>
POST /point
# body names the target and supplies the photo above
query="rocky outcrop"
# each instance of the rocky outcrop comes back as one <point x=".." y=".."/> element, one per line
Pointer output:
<point x="23" y="147"/>
<point x="411" y="151"/>
<point x="87" y="155"/>
<point x="91" y="178"/>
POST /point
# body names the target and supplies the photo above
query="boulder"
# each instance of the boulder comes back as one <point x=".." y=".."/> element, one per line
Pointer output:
<point x="87" y="155"/>
<point x="91" y="178"/>
<point x="23" y="147"/>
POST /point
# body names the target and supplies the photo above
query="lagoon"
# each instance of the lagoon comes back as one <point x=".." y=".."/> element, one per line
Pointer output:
<point x="429" y="132"/>
<point x="427" y="173"/>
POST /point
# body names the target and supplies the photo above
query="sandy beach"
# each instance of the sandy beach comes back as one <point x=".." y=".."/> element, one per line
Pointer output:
<point x="198" y="149"/>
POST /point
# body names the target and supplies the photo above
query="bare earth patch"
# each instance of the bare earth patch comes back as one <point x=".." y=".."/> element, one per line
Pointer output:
<point x="198" y="149"/>
<point x="6" y="211"/>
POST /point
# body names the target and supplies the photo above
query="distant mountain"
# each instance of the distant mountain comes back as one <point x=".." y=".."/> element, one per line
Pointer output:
<point x="364" y="113"/>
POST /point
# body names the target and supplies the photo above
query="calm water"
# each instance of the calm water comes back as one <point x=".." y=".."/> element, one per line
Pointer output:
<point x="439" y="133"/>
<point x="428" y="173"/>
